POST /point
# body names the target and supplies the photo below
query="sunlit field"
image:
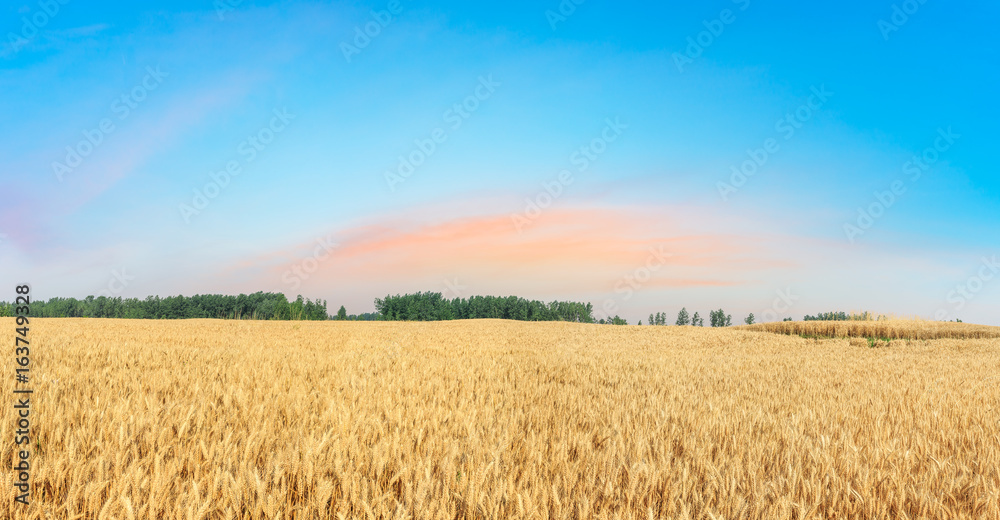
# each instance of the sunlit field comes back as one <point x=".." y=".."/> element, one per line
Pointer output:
<point x="879" y="329"/>
<point x="496" y="419"/>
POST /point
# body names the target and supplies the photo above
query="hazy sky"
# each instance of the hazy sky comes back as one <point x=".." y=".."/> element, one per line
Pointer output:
<point x="780" y="158"/>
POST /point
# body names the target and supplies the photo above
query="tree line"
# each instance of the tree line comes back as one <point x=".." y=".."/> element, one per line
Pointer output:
<point x="364" y="316"/>
<point x="432" y="306"/>
<point x="421" y="306"/>
<point x="717" y="318"/>
<point x="256" y="306"/>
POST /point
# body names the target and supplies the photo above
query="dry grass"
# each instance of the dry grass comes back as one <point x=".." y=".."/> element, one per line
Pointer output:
<point x="492" y="419"/>
<point x="888" y="329"/>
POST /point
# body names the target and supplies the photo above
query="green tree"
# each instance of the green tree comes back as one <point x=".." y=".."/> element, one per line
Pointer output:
<point x="749" y="320"/>
<point x="342" y="313"/>
<point x="682" y="317"/>
<point x="720" y="319"/>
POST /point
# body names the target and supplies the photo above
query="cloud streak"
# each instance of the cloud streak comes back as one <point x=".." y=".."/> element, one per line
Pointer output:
<point x="581" y="249"/>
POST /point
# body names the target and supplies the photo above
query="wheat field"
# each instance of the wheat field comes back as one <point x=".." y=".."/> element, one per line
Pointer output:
<point x="494" y="419"/>
<point x="889" y="329"/>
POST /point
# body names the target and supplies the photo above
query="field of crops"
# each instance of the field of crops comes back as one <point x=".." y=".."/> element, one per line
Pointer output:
<point x="495" y="419"/>
<point x="880" y="329"/>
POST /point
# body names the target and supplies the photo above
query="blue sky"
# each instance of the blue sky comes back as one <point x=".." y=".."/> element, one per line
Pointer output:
<point x="511" y="91"/>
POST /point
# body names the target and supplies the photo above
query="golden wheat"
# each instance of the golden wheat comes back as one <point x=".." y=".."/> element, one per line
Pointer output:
<point x="879" y="329"/>
<point x="493" y="419"/>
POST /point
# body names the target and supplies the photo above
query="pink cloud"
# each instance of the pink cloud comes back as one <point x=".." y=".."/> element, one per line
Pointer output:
<point x="581" y="249"/>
